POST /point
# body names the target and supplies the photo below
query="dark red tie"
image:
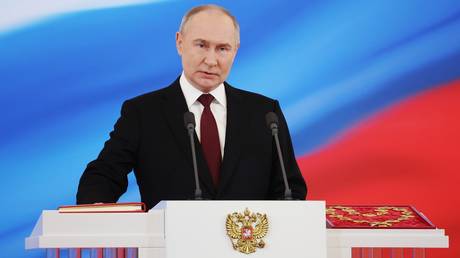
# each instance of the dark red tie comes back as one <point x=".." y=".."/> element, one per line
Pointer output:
<point x="210" y="138"/>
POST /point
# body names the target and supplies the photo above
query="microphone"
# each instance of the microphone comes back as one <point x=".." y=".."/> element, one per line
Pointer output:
<point x="272" y="122"/>
<point x="189" y="122"/>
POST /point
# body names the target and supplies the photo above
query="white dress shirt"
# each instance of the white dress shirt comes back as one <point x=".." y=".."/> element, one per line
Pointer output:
<point x="218" y="107"/>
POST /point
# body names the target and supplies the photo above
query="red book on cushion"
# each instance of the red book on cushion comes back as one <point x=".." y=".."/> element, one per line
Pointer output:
<point x="103" y="208"/>
<point x="376" y="216"/>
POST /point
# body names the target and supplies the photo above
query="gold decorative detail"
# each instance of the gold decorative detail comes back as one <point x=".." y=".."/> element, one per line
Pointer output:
<point x="405" y="215"/>
<point x="247" y="230"/>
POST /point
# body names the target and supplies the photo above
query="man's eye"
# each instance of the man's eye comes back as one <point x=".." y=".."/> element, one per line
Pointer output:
<point x="223" y="49"/>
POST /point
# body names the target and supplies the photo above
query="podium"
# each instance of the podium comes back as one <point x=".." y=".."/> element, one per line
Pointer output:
<point x="175" y="229"/>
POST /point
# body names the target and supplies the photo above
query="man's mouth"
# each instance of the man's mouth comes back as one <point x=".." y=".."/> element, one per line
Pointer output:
<point x="208" y="73"/>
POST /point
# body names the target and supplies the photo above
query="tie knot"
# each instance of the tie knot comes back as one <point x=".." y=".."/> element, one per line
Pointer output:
<point x="206" y="99"/>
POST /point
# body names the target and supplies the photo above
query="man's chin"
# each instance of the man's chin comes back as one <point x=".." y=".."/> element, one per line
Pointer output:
<point x="207" y="85"/>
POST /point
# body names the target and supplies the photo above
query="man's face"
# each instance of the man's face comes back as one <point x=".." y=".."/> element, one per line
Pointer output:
<point x="208" y="46"/>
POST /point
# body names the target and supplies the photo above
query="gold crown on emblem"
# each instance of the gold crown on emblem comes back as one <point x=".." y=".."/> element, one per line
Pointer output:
<point x="247" y="230"/>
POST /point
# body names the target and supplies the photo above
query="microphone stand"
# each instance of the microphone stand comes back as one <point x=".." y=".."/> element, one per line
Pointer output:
<point x="272" y="120"/>
<point x="190" y="125"/>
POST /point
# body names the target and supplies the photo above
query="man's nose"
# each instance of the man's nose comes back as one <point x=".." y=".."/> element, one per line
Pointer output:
<point x="210" y="58"/>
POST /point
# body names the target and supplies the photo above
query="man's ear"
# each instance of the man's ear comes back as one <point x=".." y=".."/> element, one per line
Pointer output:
<point x="179" y="42"/>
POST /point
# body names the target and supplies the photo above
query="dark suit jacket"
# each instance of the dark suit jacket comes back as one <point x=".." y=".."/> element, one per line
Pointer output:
<point x="150" y="139"/>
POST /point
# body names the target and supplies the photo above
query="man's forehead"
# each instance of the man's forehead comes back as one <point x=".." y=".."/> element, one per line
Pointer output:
<point x="210" y="20"/>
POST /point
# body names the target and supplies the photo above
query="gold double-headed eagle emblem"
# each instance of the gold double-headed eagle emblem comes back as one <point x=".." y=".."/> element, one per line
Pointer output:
<point x="247" y="230"/>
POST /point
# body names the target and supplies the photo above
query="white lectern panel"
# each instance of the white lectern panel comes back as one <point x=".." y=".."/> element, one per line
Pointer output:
<point x="197" y="228"/>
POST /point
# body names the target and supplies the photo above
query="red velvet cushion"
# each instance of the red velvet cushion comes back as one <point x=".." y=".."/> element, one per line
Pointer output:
<point x="366" y="216"/>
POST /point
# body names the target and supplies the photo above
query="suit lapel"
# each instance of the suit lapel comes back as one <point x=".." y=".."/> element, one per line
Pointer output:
<point x="236" y="118"/>
<point x="174" y="107"/>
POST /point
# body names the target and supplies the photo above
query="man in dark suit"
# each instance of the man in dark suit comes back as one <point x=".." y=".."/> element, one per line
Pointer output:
<point x="236" y="153"/>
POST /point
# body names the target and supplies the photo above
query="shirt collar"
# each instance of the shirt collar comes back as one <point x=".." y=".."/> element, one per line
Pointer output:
<point x="191" y="93"/>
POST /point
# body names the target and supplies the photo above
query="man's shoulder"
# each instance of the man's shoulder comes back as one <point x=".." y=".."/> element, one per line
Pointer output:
<point x="173" y="91"/>
<point x="249" y="96"/>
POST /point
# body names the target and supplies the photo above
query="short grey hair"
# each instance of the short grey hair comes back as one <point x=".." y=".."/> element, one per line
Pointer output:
<point x="201" y="8"/>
